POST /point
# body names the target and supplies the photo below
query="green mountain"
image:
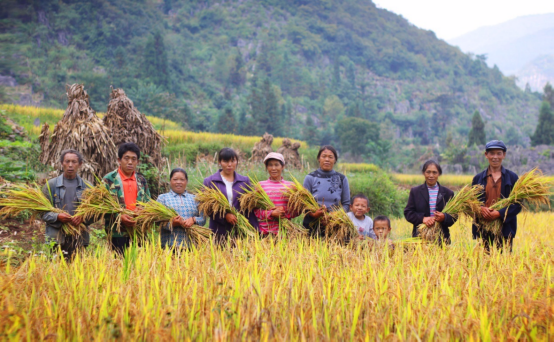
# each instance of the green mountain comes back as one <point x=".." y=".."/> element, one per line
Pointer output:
<point x="290" y="67"/>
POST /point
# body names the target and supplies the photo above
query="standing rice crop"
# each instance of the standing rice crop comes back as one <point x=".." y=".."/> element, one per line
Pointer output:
<point x="532" y="188"/>
<point x="22" y="197"/>
<point x="465" y="202"/>
<point x="154" y="213"/>
<point x="97" y="202"/>
<point x="255" y="197"/>
<point x="213" y="202"/>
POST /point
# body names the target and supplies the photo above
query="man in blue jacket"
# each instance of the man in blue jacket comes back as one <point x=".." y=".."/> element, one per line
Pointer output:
<point x="498" y="182"/>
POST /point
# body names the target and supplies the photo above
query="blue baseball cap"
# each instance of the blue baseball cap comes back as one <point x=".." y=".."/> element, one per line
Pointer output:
<point x="496" y="145"/>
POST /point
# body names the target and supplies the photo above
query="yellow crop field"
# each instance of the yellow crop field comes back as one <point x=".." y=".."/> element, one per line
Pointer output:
<point x="447" y="180"/>
<point x="361" y="167"/>
<point x="290" y="290"/>
<point x="26" y="116"/>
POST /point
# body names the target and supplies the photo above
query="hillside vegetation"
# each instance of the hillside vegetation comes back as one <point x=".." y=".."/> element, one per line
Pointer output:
<point x="336" y="72"/>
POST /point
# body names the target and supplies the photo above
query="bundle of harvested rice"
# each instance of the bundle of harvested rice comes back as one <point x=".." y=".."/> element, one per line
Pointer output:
<point x="465" y="202"/>
<point x="154" y="213"/>
<point x="82" y="130"/>
<point x="532" y="188"/>
<point x="300" y="200"/>
<point x="21" y="197"/>
<point x="212" y="202"/>
<point x="130" y="125"/>
<point x="255" y="197"/>
<point x="340" y="227"/>
<point x="97" y="202"/>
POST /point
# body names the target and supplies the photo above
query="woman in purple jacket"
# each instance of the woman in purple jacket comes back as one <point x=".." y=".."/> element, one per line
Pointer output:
<point x="232" y="185"/>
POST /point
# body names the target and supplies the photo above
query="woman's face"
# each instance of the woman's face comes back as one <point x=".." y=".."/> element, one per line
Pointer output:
<point x="327" y="160"/>
<point x="178" y="183"/>
<point x="275" y="169"/>
<point x="228" y="166"/>
<point x="431" y="175"/>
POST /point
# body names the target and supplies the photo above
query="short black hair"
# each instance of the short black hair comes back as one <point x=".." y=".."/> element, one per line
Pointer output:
<point x="382" y="218"/>
<point x="227" y="154"/>
<point x="362" y="196"/>
<point x="431" y="162"/>
<point x="71" y="151"/>
<point x="126" y="147"/>
<point x="177" y="170"/>
<point x="328" y="148"/>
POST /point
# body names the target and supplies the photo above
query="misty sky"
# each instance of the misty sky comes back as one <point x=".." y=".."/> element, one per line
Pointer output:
<point x="452" y="18"/>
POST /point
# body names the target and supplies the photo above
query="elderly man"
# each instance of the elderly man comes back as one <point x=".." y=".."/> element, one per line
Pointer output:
<point x="498" y="183"/>
<point x="65" y="193"/>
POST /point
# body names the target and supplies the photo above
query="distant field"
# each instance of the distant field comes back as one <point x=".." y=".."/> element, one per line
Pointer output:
<point x="26" y="116"/>
<point x="446" y="180"/>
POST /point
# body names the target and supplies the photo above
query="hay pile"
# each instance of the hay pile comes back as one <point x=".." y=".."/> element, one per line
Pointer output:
<point x="290" y="153"/>
<point x="130" y="125"/>
<point x="262" y="148"/>
<point x="82" y="130"/>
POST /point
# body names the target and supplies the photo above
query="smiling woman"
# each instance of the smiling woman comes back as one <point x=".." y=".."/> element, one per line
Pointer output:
<point x="426" y="202"/>
<point x="329" y="187"/>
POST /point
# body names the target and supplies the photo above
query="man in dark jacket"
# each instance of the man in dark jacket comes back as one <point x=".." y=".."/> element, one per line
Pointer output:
<point x="65" y="193"/>
<point x="498" y="183"/>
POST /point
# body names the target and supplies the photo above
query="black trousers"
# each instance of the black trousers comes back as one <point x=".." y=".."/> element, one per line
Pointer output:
<point x="120" y="244"/>
<point x="501" y="242"/>
<point x="70" y="247"/>
<point x="315" y="228"/>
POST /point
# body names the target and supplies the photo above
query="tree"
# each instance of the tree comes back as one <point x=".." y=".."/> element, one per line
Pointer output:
<point x="236" y="70"/>
<point x="336" y="73"/>
<point x="226" y="122"/>
<point x="477" y="135"/>
<point x="265" y="109"/>
<point x="310" y="132"/>
<point x="544" y="134"/>
<point x="332" y="107"/>
<point x="155" y="60"/>
<point x="549" y="94"/>
<point x="355" y="133"/>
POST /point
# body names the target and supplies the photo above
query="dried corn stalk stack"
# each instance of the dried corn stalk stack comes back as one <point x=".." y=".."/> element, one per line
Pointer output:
<point x="82" y="130"/>
<point x="130" y="125"/>
<point x="44" y="140"/>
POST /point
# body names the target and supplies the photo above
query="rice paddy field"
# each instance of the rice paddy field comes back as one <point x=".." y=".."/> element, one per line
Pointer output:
<point x="290" y="290"/>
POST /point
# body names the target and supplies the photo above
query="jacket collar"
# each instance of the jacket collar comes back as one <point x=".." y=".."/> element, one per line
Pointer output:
<point x="59" y="181"/>
<point x="217" y="177"/>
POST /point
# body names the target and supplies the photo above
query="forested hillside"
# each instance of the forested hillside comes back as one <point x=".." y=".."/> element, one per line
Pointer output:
<point x="342" y="72"/>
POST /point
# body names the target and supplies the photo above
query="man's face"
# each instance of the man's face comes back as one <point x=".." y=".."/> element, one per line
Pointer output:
<point x="70" y="165"/>
<point x="129" y="162"/>
<point x="381" y="229"/>
<point x="495" y="157"/>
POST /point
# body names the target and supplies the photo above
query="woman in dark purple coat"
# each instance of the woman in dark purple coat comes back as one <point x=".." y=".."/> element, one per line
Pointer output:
<point x="232" y="185"/>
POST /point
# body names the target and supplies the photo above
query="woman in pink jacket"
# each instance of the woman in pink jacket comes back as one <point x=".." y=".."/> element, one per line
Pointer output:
<point x="275" y="186"/>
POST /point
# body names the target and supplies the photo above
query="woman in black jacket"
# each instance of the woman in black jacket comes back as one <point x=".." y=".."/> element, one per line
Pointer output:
<point x="427" y="201"/>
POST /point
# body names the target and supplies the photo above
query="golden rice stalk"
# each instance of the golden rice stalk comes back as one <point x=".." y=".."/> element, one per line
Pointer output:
<point x="300" y="200"/>
<point x="532" y="188"/>
<point x="213" y="202"/>
<point x="255" y="197"/>
<point x="199" y="235"/>
<point x="82" y="130"/>
<point x="130" y="125"/>
<point x="155" y="213"/>
<point x="97" y="202"/>
<point x="465" y="202"/>
<point x="340" y="227"/>
<point x="22" y="197"/>
<point x="152" y="214"/>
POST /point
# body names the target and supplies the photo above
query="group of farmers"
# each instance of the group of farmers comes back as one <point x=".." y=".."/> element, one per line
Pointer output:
<point x="329" y="187"/>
